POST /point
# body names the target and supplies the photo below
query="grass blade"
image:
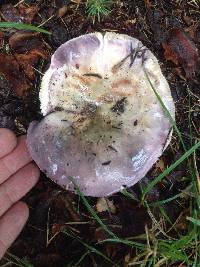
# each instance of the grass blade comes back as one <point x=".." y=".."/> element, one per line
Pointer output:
<point x="173" y="123"/>
<point x="96" y="217"/>
<point x="193" y="220"/>
<point x="129" y="195"/>
<point x="14" y="260"/>
<point x="164" y="201"/>
<point x="169" y="169"/>
<point x="91" y="210"/>
<point x="89" y="247"/>
<point x="98" y="8"/>
<point x="168" y="114"/>
<point x="125" y="242"/>
<point x="23" y="26"/>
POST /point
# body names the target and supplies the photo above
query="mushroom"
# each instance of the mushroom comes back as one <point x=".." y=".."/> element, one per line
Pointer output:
<point x="103" y="124"/>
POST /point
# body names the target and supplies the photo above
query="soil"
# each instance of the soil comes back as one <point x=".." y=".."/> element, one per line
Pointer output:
<point x="60" y="225"/>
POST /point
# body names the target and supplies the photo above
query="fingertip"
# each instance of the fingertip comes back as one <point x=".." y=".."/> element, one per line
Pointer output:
<point x="8" y="141"/>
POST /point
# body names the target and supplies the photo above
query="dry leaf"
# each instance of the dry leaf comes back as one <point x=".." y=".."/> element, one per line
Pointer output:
<point x="28" y="50"/>
<point x="28" y="12"/>
<point x="148" y="3"/>
<point x="21" y="13"/>
<point x="1" y="39"/>
<point x="28" y="61"/>
<point x="62" y="11"/>
<point x="10" y="13"/>
<point x="105" y="205"/>
<point x="21" y="39"/>
<point x="160" y="165"/>
<point x="127" y="258"/>
<point x="24" y="41"/>
<point x="99" y="234"/>
<point x="10" y="68"/>
<point x="181" y="50"/>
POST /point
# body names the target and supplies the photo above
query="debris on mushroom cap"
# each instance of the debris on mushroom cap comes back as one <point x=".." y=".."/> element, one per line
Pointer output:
<point x="103" y="124"/>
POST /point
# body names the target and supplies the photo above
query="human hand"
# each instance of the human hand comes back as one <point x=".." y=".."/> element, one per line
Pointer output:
<point x="17" y="176"/>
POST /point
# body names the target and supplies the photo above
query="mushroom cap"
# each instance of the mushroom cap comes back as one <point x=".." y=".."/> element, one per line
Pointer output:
<point x="103" y="124"/>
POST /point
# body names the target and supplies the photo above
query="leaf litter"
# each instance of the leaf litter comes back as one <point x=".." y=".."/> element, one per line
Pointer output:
<point x="165" y="27"/>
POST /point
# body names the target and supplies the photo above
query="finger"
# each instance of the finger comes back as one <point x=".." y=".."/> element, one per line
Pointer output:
<point x="8" y="141"/>
<point x="17" y="186"/>
<point x="11" y="225"/>
<point x="15" y="160"/>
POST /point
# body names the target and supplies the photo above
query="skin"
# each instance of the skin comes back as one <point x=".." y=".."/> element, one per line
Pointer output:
<point x="17" y="176"/>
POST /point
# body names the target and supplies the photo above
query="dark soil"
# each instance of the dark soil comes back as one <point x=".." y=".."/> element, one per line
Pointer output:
<point x="47" y="240"/>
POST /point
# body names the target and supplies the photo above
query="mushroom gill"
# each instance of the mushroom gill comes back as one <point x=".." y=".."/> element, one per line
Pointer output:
<point x="103" y="124"/>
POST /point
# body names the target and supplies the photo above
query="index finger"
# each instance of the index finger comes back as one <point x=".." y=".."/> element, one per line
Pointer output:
<point x="8" y="141"/>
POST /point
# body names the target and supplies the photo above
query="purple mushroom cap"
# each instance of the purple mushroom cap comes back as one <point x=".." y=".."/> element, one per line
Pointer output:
<point x="103" y="124"/>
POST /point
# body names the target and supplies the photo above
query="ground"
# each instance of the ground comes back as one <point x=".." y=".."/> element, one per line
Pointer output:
<point x="142" y="226"/>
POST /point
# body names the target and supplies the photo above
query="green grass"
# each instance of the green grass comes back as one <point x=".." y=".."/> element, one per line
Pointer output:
<point x="166" y="111"/>
<point x="98" y="8"/>
<point x="173" y="123"/>
<point x="23" y="26"/>
<point x="114" y="238"/>
<point x="170" y="169"/>
<point x="90" y="249"/>
<point x="194" y="221"/>
<point x="13" y="260"/>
